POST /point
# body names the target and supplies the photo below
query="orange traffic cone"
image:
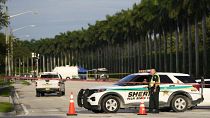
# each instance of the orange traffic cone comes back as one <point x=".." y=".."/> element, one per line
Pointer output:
<point x="71" y="106"/>
<point x="142" y="110"/>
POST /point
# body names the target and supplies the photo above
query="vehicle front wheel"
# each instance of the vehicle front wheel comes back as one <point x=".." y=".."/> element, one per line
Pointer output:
<point x="110" y="104"/>
<point x="179" y="103"/>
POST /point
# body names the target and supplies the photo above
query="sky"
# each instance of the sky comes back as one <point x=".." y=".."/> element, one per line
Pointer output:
<point x="55" y="16"/>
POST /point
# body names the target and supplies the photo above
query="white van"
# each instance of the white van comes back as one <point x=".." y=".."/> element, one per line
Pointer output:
<point x="67" y="72"/>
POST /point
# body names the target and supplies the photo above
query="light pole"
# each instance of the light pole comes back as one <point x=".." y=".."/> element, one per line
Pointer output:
<point x="11" y="67"/>
<point x="7" y="57"/>
<point x="36" y="57"/>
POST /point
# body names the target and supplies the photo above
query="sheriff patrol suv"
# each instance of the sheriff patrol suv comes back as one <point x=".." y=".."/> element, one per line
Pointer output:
<point x="177" y="92"/>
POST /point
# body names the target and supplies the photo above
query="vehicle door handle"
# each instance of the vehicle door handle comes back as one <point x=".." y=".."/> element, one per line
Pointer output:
<point x="171" y="85"/>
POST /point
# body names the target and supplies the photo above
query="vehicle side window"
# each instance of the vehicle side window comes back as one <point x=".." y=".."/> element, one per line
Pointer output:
<point x="165" y="79"/>
<point x="144" y="78"/>
<point x="186" y="79"/>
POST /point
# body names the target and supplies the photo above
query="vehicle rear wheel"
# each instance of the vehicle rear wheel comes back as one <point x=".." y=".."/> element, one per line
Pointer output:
<point x="97" y="111"/>
<point x="42" y="94"/>
<point x="38" y="94"/>
<point x="63" y="92"/>
<point x="60" y="93"/>
<point x="179" y="103"/>
<point x="110" y="104"/>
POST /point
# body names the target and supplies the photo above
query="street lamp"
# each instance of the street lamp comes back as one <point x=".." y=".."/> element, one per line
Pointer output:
<point x="11" y="55"/>
<point x="36" y="57"/>
<point x="25" y="12"/>
<point x="7" y="57"/>
<point x="23" y="28"/>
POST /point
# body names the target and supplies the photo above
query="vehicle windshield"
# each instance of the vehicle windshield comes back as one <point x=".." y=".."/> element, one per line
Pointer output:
<point x="124" y="80"/>
<point x="49" y="76"/>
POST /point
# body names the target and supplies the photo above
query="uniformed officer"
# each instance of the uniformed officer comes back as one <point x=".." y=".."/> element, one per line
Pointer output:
<point x="154" y="89"/>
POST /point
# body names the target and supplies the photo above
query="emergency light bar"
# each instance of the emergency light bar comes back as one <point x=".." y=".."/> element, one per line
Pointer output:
<point x="144" y="71"/>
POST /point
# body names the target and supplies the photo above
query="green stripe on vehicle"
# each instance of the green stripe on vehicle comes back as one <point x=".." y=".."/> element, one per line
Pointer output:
<point x="144" y="89"/>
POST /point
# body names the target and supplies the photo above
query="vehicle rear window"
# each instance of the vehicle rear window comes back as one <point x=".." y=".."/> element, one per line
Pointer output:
<point x="49" y="76"/>
<point x="165" y="79"/>
<point x="186" y="79"/>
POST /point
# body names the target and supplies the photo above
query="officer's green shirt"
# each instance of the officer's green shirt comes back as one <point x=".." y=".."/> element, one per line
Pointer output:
<point x="154" y="80"/>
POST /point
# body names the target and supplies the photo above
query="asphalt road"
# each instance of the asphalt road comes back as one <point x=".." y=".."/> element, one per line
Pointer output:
<point x="57" y="107"/>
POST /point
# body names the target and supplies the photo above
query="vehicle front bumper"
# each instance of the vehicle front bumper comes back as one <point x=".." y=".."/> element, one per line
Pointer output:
<point x="82" y="100"/>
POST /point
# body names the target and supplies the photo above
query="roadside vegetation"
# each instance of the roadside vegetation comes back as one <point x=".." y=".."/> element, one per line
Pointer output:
<point x="24" y="82"/>
<point x="5" y="92"/>
<point x="6" y="107"/>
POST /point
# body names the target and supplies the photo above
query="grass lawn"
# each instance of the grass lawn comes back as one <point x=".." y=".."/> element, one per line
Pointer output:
<point x="6" y="107"/>
<point x="5" y="92"/>
<point x="24" y="82"/>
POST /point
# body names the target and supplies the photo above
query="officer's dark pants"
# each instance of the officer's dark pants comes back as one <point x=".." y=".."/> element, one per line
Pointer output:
<point x="154" y="99"/>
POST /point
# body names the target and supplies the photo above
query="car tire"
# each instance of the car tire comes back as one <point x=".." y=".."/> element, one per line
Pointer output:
<point x="38" y="94"/>
<point x="60" y="93"/>
<point x="110" y="104"/>
<point x="63" y="92"/>
<point x="42" y="94"/>
<point x="179" y="103"/>
<point x="97" y="111"/>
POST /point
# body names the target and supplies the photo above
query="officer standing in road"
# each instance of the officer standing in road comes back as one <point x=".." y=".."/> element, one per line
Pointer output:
<point x="154" y="89"/>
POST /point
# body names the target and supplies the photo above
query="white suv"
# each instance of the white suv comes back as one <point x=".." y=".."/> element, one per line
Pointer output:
<point x="50" y="82"/>
<point x="177" y="92"/>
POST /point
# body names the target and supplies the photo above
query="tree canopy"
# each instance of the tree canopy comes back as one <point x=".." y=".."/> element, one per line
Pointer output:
<point x="154" y="33"/>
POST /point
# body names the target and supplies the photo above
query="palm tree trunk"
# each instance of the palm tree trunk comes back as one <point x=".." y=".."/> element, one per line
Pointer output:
<point x="43" y="63"/>
<point x="177" y="48"/>
<point x="183" y="46"/>
<point x="141" y="53"/>
<point x="165" y="50"/>
<point x="146" y="51"/>
<point x="160" y="53"/>
<point x="27" y="64"/>
<point x="189" y="46"/>
<point x="155" y="49"/>
<point x="196" y="48"/>
<point x="204" y="45"/>
<point x="23" y="65"/>
<point x="32" y="64"/>
<point x="171" y="52"/>
<point x="19" y="64"/>
<point x="150" y="51"/>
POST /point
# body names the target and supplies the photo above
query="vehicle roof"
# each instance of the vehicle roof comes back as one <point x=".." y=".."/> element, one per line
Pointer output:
<point x="199" y="80"/>
<point x="164" y="73"/>
<point x="49" y="73"/>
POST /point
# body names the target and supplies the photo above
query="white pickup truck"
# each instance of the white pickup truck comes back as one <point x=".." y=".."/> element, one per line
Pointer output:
<point x="50" y="82"/>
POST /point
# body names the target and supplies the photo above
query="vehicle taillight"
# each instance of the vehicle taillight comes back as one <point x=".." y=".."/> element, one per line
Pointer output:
<point x="197" y="86"/>
<point x="58" y="83"/>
